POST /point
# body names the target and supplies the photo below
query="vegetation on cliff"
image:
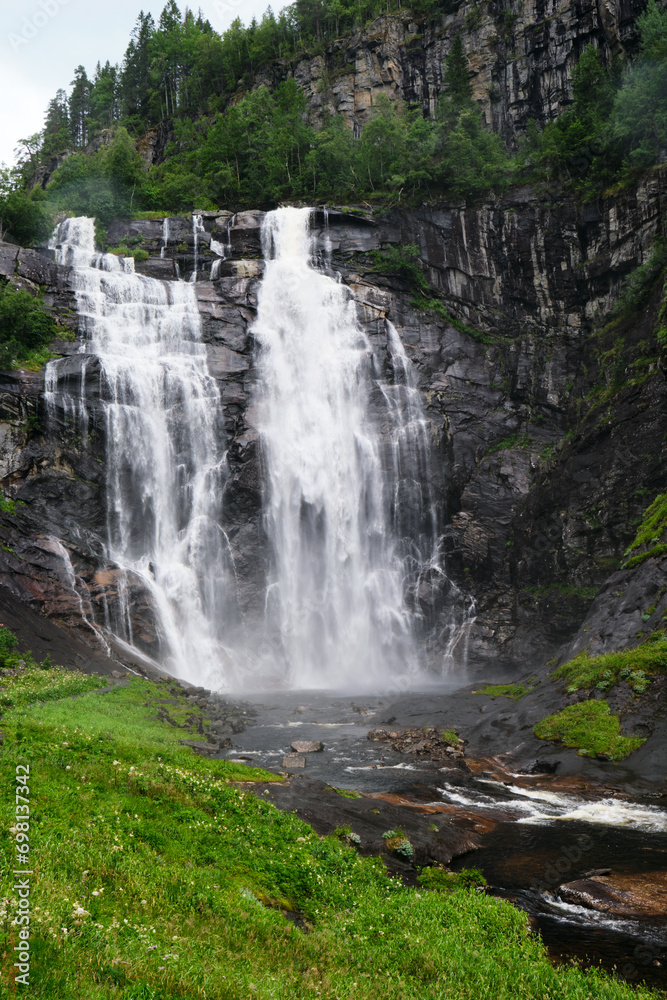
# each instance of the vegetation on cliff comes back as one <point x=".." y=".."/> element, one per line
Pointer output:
<point x="159" y="874"/>
<point x="25" y="217"/>
<point x="236" y="141"/>
<point x="617" y="124"/>
<point x="25" y="329"/>
<point x="592" y="728"/>
<point x="650" y="538"/>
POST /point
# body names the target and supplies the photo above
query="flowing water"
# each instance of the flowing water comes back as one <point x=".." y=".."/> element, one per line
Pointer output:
<point x="349" y="516"/>
<point x="161" y="422"/>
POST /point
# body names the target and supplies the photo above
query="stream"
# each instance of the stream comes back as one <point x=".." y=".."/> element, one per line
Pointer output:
<point x="531" y="839"/>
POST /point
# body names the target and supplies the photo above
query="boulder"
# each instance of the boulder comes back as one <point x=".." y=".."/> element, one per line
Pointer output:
<point x="293" y="760"/>
<point x="307" y="746"/>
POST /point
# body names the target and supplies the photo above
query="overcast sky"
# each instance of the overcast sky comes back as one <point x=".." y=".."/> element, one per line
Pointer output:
<point x="43" y="41"/>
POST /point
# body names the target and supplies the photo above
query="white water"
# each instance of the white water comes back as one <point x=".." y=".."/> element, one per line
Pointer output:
<point x="351" y="528"/>
<point x="197" y="228"/>
<point x="160" y="416"/>
<point x="542" y="807"/>
<point x="165" y="238"/>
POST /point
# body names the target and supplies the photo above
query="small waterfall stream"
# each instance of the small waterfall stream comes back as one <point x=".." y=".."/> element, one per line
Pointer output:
<point x="165" y="464"/>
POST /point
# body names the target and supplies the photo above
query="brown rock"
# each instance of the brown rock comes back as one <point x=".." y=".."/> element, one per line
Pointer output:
<point x="637" y="895"/>
<point x="307" y="746"/>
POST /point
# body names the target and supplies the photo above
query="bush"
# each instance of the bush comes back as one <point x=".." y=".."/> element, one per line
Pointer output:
<point x="25" y="326"/>
<point x="25" y="218"/>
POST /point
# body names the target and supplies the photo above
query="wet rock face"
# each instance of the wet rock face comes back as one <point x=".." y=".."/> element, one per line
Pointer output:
<point x="521" y="61"/>
<point x="636" y="896"/>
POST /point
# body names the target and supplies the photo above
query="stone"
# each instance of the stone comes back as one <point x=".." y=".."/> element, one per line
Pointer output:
<point x="378" y="734"/>
<point x="294" y="760"/>
<point x="639" y="895"/>
<point x="306" y="746"/>
<point x="203" y="749"/>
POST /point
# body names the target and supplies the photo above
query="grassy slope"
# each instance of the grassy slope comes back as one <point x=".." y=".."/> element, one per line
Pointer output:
<point x="156" y="877"/>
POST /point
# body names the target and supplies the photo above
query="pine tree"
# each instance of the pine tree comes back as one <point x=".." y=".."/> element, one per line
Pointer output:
<point x="457" y="74"/>
<point x="56" y="126"/>
<point x="104" y="97"/>
<point x="79" y="108"/>
<point x="135" y="75"/>
<point x="170" y="18"/>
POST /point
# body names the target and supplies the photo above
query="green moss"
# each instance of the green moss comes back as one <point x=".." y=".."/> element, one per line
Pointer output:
<point x="425" y="303"/>
<point x="7" y="506"/>
<point x="591" y="728"/>
<point x="631" y="665"/>
<point x="513" y="691"/>
<point x="517" y="440"/>
<point x="449" y="736"/>
<point x="126" y="251"/>
<point x="649" y="534"/>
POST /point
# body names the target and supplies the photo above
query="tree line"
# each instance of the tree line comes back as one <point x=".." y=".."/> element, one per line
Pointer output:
<point x="259" y="148"/>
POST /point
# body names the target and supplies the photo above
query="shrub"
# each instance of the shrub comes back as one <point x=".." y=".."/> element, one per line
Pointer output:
<point x="25" y="326"/>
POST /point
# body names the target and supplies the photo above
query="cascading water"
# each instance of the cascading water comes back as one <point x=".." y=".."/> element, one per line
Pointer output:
<point x="165" y="238"/>
<point x="351" y="529"/>
<point x="442" y="612"/>
<point x="161" y="420"/>
<point x="197" y="228"/>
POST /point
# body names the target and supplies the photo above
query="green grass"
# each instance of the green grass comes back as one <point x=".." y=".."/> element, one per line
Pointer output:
<point x="514" y="691"/>
<point x="517" y="440"/>
<point x="348" y="793"/>
<point x="591" y="728"/>
<point x="649" y="534"/>
<point x="159" y="875"/>
<point x="37" y="683"/>
<point x="634" y="666"/>
<point x="451" y="737"/>
<point x="442" y="880"/>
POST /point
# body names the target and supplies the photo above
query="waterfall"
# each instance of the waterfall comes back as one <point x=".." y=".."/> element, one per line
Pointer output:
<point x="219" y="249"/>
<point x="165" y="238"/>
<point x="160" y="417"/>
<point x="197" y="228"/>
<point x="415" y="518"/>
<point x="337" y="613"/>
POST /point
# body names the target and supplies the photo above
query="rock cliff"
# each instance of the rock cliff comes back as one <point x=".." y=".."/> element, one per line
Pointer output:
<point x="521" y="59"/>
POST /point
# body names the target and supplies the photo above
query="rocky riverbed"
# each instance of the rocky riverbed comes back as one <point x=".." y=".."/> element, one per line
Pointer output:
<point x="580" y="845"/>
